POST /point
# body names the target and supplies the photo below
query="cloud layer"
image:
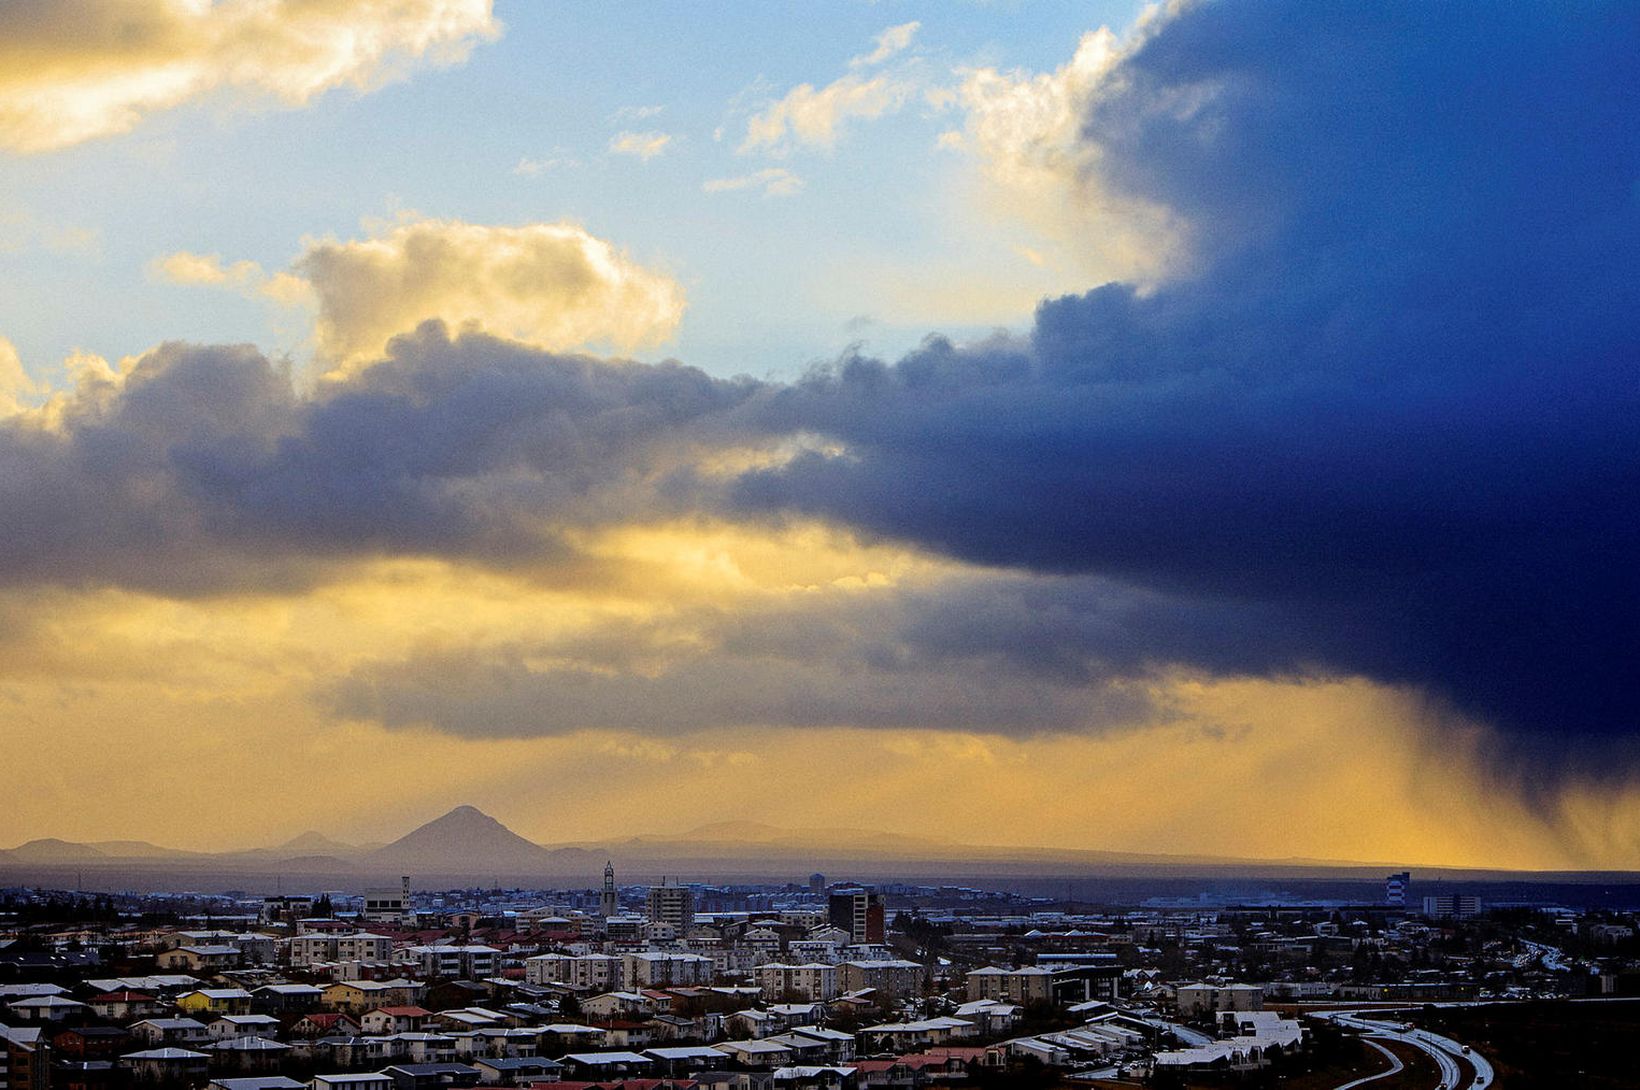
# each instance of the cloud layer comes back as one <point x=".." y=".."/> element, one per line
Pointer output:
<point x="1378" y="421"/>
<point x="75" y="70"/>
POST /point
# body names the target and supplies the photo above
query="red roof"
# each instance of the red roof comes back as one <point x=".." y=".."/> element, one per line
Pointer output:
<point x="406" y="1012"/>
<point x="917" y="1060"/>
<point x="122" y="997"/>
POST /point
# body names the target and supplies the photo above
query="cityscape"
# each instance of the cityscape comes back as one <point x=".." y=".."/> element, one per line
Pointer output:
<point x="821" y="983"/>
<point x="819" y="545"/>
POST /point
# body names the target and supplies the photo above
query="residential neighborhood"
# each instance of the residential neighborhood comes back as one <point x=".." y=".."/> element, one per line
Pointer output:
<point x="832" y="986"/>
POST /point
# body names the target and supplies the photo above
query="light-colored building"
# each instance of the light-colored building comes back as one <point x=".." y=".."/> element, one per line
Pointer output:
<point x="598" y="972"/>
<point x="233" y="1027"/>
<point x="893" y="978"/>
<point x="171" y="1066"/>
<point x="1060" y="985"/>
<point x="375" y="1081"/>
<point x="215" y="1001"/>
<point x="157" y="1032"/>
<point x="389" y="905"/>
<point x="316" y="948"/>
<point x="1452" y="906"/>
<point x="1194" y="999"/>
<point x="212" y="958"/>
<point x="815" y="982"/>
<point x="859" y="912"/>
<point x="672" y="905"/>
<point x="657" y="969"/>
<point x="470" y="961"/>
<point x="357" y="996"/>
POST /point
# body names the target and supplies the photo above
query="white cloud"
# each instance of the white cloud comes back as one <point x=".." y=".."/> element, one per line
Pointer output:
<point x="558" y="160"/>
<point x="894" y="40"/>
<point x="17" y="389"/>
<point x="184" y="267"/>
<point x="76" y="70"/>
<point x="644" y="145"/>
<point x="636" y="113"/>
<point x="243" y="277"/>
<point x="806" y="115"/>
<point x="774" y="182"/>
<point x="813" y="117"/>
<point x="1040" y="168"/>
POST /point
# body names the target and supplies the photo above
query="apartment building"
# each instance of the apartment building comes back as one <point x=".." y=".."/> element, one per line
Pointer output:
<point x="815" y="982"/>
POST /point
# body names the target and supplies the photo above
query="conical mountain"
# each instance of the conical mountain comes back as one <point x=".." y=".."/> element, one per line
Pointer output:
<point x="464" y="841"/>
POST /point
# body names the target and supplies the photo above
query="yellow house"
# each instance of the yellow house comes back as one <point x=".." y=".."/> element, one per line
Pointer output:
<point x="358" y="996"/>
<point x="215" y="1001"/>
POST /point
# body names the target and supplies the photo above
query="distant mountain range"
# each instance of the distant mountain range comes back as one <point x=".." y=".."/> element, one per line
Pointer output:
<point x="467" y="845"/>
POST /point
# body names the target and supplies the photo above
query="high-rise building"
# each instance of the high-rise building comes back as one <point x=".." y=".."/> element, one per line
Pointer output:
<point x="859" y="912"/>
<point x="1395" y="888"/>
<point x="817" y="884"/>
<point x="673" y="905"/>
<point x="609" y="901"/>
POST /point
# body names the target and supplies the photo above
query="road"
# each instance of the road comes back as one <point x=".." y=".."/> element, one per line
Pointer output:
<point x="1395" y="1065"/>
<point x="1443" y="1050"/>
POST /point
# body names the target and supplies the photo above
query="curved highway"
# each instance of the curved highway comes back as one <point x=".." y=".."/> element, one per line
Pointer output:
<point x="1443" y="1050"/>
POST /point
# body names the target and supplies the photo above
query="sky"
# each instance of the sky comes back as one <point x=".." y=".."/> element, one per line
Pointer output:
<point x="1198" y="428"/>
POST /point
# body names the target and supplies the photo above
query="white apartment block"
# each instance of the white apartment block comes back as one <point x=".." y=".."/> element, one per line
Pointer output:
<point x="813" y="983"/>
<point x="315" y="948"/>
<point x="472" y="962"/>
<point x="597" y="972"/>
<point x="654" y="969"/>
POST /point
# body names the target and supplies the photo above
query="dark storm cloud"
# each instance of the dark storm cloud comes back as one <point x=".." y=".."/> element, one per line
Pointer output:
<point x="207" y="470"/>
<point x="1394" y="407"/>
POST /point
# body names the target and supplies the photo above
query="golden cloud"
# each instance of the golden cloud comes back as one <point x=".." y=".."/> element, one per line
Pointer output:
<point x="76" y="70"/>
<point x="17" y="389"/>
<point x="551" y="285"/>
